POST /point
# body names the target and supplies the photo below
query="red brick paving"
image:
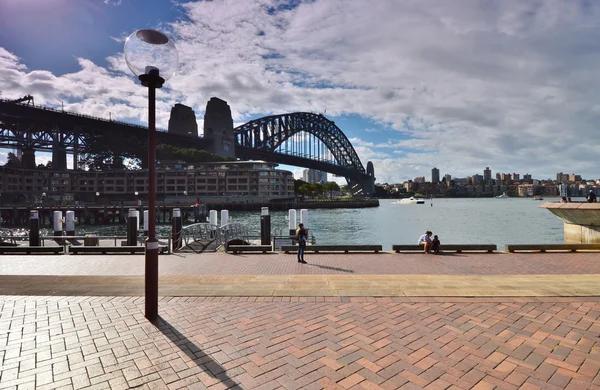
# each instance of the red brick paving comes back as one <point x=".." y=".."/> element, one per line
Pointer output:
<point x="319" y="264"/>
<point x="281" y="343"/>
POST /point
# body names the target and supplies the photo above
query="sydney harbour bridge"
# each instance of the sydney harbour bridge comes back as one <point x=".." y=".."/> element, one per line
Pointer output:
<point x="301" y="139"/>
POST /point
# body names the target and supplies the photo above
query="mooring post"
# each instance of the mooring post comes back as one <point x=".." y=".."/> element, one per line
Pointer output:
<point x="176" y="229"/>
<point x="34" y="228"/>
<point x="292" y="224"/>
<point x="131" y="228"/>
<point x="265" y="226"/>
<point x="70" y="223"/>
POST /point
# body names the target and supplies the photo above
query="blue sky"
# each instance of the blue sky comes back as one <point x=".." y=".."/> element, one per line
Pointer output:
<point x="459" y="85"/>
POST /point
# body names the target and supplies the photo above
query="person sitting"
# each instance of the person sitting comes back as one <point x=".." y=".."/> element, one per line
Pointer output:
<point x="563" y="199"/>
<point x="426" y="241"/>
<point x="435" y="244"/>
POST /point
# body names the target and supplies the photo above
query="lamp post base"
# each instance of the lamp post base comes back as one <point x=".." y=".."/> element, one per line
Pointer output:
<point x="151" y="275"/>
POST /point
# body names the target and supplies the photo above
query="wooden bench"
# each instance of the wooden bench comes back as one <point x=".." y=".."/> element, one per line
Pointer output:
<point x="55" y="250"/>
<point x="106" y="249"/>
<point x="249" y="248"/>
<point x="552" y="247"/>
<point x="456" y="248"/>
<point x="334" y="248"/>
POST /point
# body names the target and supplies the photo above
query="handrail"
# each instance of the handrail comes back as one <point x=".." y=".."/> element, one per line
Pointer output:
<point x="197" y="231"/>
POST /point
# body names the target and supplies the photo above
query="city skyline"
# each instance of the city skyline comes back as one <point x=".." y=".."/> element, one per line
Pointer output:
<point x="455" y="85"/>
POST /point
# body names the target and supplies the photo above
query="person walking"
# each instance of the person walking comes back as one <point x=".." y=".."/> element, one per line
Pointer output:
<point x="302" y="236"/>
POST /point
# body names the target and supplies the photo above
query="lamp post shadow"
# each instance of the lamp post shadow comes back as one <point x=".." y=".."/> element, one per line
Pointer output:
<point x="208" y="365"/>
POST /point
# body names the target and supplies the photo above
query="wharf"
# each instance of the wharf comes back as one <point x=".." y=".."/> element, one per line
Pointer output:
<point x="347" y="321"/>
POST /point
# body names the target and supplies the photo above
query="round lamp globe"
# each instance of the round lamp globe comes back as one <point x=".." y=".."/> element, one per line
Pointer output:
<point x="147" y="50"/>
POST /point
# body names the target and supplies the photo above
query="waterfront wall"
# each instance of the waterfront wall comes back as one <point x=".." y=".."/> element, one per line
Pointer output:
<point x="350" y="204"/>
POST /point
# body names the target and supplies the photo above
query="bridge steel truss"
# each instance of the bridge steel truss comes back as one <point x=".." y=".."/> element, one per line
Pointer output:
<point x="259" y="139"/>
<point x="31" y="128"/>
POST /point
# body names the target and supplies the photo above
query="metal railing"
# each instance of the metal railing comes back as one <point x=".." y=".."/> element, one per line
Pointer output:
<point x="199" y="232"/>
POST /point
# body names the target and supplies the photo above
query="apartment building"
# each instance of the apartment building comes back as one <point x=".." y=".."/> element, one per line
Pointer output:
<point x="233" y="179"/>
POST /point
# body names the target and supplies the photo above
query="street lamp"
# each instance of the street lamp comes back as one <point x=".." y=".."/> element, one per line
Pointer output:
<point x="151" y="56"/>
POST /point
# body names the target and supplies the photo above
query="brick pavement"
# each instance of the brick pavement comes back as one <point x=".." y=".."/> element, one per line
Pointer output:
<point x="312" y="343"/>
<point x="319" y="264"/>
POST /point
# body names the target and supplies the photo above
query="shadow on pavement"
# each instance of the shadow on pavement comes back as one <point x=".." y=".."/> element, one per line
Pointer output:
<point x="332" y="268"/>
<point x="211" y="366"/>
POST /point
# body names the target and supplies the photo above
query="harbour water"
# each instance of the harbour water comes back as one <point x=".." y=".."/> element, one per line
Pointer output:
<point x="456" y="221"/>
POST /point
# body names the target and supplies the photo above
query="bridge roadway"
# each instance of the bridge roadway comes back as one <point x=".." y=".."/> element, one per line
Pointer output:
<point x="38" y="127"/>
<point x="359" y="321"/>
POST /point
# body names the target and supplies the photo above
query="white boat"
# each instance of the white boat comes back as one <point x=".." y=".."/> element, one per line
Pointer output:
<point x="411" y="200"/>
<point x="503" y="196"/>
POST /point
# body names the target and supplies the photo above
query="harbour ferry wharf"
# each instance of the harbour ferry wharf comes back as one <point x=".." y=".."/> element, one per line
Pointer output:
<point x="264" y="321"/>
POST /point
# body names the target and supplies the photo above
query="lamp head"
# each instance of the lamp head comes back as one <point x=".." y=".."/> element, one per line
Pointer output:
<point x="150" y="52"/>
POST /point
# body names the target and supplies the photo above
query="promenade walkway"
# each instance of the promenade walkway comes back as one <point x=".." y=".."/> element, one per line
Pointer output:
<point x="352" y="321"/>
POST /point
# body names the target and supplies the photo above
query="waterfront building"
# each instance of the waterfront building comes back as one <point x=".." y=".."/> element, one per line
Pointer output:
<point x="528" y="189"/>
<point x="314" y="176"/>
<point x="487" y="174"/>
<point x="448" y="178"/>
<point x="515" y="176"/>
<point x="419" y="179"/>
<point x="563" y="189"/>
<point x="573" y="177"/>
<point x="498" y="176"/>
<point x="435" y="175"/>
<point x="527" y="176"/>
<point x="562" y="178"/>
<point x="476" y="179"/>
<point x="461" y="181"/>
<point x="175" y="180"/>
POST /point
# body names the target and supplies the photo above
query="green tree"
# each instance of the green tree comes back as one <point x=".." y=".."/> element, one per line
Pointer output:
<point x="12" y="160"/>
<point x="331" y="186"/>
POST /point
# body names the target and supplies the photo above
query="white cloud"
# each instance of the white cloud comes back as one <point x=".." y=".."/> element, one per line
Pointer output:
<point x="466" y="84"/>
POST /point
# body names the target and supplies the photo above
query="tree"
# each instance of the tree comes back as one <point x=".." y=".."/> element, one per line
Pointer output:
<point x="12" y="160"/>
<point x="331" y="186"/>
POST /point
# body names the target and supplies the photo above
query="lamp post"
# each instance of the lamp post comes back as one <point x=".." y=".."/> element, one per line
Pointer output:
<point x="151" y="56"/>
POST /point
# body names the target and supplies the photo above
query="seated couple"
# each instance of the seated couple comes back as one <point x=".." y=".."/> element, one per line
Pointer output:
<point x="429" y="244"/>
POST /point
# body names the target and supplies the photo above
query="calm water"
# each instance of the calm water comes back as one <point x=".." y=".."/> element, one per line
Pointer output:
<point x="456" y="221"/>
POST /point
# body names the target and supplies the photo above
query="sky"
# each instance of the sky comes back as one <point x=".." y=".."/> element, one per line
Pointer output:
<point x="414" y="84"/>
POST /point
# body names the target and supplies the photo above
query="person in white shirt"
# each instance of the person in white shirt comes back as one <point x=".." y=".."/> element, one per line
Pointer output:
<point x="426" y="241"/>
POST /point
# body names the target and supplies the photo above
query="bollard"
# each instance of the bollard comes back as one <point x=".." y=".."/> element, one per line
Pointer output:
<point x="57" y="223"/>
<point x="213" y="221"/>
<point x="132" y="228"/>
<point x="146" y="223"/>
<point x="224" y="217"/>
<point x="265" y="226"/>
<point x="304" y="217"/>
<point x="34" y="228"/>
<point x="70" y="223"/>
<point x="137" y="220"/>
<point x="292" y="222"/>
<point x="176" y="229"/>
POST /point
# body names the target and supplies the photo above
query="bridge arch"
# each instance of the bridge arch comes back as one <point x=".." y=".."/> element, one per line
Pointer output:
<point x="260" y="138"/>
